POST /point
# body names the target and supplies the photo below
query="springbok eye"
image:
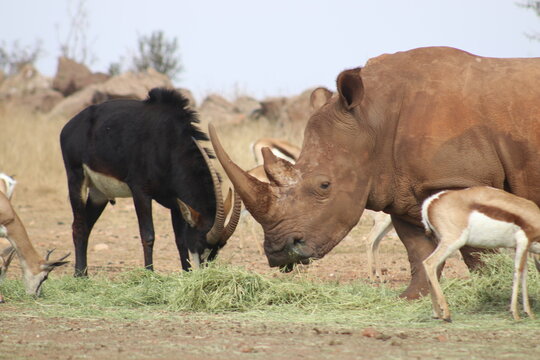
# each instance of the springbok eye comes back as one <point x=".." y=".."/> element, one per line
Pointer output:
<point x="325" y="185"/>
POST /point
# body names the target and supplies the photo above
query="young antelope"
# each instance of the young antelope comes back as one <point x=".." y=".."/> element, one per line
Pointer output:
<point x="482" y="217"/>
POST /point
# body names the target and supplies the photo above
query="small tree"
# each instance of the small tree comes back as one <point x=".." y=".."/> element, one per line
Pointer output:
<point x="114" y="69"/>
<point x="75" y="46"/>
<point x="14" y="58"/>
<point x="157" y="52"/>
<point x="535" y="6"/>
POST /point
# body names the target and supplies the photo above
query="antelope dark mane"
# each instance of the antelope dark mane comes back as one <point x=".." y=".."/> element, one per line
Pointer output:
<point x="164" y="96"/>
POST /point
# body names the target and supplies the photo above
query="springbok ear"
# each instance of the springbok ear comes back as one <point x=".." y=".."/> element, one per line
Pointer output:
<point x="188" y="213"/>
<point x="318" y="98"/>
<point x="278" y="170"/>
<point x="350" y="87"/>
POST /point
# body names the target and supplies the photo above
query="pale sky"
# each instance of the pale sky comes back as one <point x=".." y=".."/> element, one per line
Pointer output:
<point x="277" y="47"/>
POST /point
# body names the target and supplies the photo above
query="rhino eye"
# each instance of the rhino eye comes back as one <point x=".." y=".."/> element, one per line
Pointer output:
<point x="325" y="185"/>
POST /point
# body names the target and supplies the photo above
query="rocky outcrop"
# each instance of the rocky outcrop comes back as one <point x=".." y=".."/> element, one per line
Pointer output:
<point x="125" y="86"/>
<point x="298" y="108"/>
<point x="27" y="81"/>
<point x="188" y="95"/>
<point x="216" y="108"/>
<point x="28" y="88"/>
<point x="34" y="91"/>
<point x="72" y="77"/>
<point x="247" y="105"/>
<point x="272" y="108"/>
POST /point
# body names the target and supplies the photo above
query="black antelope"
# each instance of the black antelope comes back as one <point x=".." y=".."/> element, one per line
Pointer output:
<point x="147" y="150"/>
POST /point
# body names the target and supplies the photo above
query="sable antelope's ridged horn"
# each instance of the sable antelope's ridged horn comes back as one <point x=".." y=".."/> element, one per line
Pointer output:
<point x="214" y="234"/>
<point x="233" y="221"/>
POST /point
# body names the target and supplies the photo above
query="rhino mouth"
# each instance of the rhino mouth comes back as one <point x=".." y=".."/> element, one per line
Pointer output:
<point x="289" y="250"/>
<point x="287" y="259"/>
<point x="287" y="268"/>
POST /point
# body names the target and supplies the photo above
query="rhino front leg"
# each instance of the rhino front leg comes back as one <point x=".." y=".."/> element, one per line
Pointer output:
<point x="418" y="247"/>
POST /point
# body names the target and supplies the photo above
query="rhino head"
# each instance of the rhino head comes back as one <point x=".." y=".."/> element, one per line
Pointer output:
<point x="309" y="207"/>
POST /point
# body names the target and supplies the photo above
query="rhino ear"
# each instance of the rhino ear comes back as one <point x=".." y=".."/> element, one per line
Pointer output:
<point x="319" y="97"/>
<point x="278" y="170"/>
<point x="350" y="87"/>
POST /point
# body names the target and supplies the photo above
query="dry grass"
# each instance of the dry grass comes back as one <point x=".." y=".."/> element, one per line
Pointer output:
<point x="30" y="150"/>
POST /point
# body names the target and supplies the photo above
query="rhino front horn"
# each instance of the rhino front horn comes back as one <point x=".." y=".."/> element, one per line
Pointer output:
<point x="255" y="194"/>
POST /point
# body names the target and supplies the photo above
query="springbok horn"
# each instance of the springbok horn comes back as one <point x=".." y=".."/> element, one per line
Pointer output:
<point x="214" y="234"/>
<point x="255" y="194"/>
<point x="49" y="252"/>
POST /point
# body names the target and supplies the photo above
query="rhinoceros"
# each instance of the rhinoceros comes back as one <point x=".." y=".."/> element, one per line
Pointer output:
<point x="399" y="129"/>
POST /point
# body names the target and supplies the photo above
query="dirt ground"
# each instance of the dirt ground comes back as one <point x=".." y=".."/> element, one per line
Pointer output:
<point x="115" y="246"/>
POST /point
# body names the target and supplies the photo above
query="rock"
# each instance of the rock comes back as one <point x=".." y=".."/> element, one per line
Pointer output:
<point x="272" y="109"/>
<point x="214" y="102"/>
<point x="27" y="81"/>
<point x="298" y="108"/>
<point x="101" y="247"/>
<point x="247" y="105"/>
<point x="72" y="76"/>
<point x="125" y="86"/>
<point x="373" y="333"/>
<point x="216" y="108"/>
<point x="29" y="89"/>
<point x="41" y="101"/>
<point x="132" y="85"/>
<point x="189" y="95"/>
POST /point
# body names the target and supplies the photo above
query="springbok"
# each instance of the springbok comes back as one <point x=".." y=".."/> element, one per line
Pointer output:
<point x="34" y="267"/>
<point x="5" y="259"/>
<point x="382" y="224"/>
<point x="7" y="185"/>
<point x="280" y="148"/>
<point x="482" y="217"/>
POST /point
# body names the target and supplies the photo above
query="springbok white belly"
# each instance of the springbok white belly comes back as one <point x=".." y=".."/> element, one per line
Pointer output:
<point x="486" y="232"/>
<point x="107" y="186"/>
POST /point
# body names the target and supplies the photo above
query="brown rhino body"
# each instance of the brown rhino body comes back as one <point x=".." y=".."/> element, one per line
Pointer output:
<point x="401" y="128"/>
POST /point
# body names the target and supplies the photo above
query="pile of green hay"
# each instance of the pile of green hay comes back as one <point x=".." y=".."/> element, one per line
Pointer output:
<point x="222" y="288"/>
